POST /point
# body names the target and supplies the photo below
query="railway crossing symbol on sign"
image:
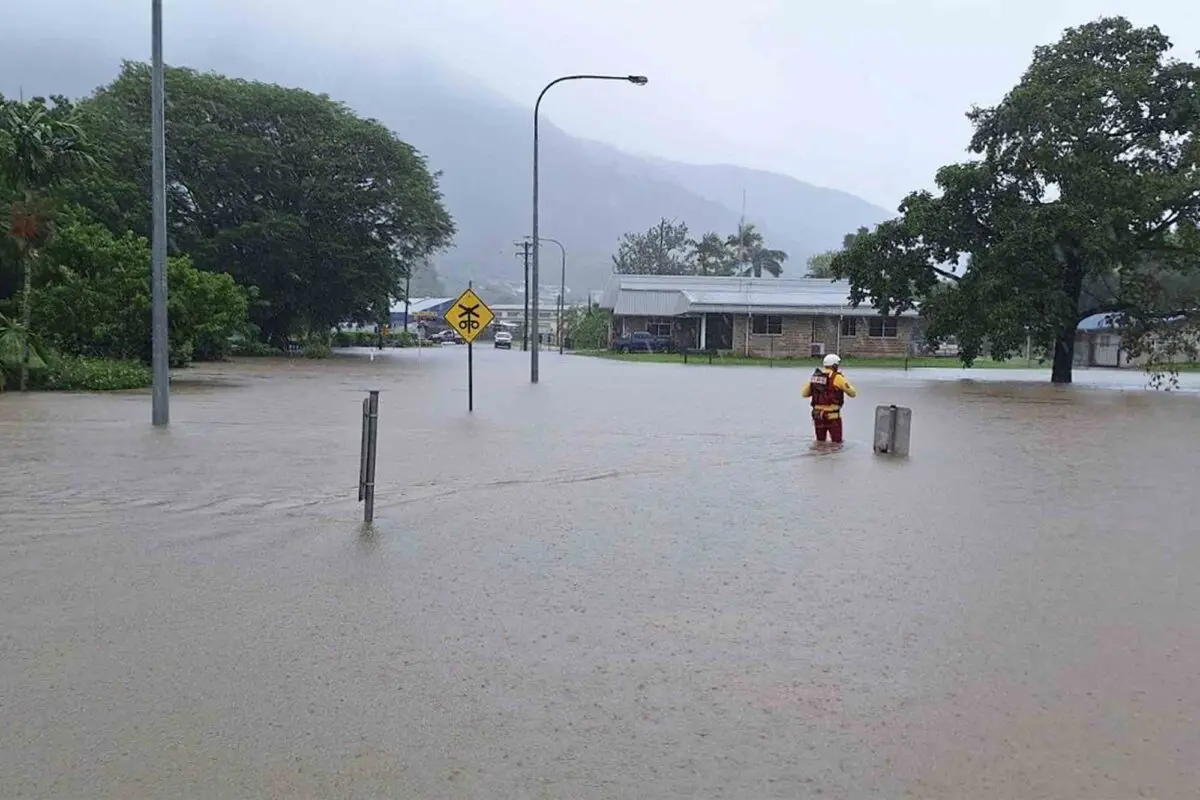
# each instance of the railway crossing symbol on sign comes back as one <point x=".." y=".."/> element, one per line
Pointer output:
<point x="469" y="315"/>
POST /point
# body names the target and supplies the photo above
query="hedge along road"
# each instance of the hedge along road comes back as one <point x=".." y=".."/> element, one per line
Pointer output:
<point x="629" y="580"/>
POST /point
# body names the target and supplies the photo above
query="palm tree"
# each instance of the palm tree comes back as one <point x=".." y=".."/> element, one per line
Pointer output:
<point x="753" y="257"/>
<point x="39" y="147"/>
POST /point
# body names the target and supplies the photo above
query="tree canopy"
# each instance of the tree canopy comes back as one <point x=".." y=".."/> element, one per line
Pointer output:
<point x="667" y="249"/>
<point x="662" y="250"/>
<point x="40" y="146"/>
<point x="282" y="205"/>
<point x="821" y="265"/>
<point x="1084" y="195"/>
<point x="751" y="254"/>
<point x="322" y="212"/>
<point x="97" y="301"/>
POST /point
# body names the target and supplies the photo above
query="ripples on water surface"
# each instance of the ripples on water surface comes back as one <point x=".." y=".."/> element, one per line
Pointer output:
<point x="628" y="581"/>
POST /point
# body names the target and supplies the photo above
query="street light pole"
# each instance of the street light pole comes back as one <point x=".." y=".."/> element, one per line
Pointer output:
<point x="161" y="396"/>
<point x="636" y="80"/>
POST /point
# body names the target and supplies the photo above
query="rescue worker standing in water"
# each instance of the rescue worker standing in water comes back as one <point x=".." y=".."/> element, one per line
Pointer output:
<point x="828" y="389"/>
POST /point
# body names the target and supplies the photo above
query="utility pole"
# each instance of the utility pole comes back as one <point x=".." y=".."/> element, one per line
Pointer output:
<point x="525" y="244"/>
<point x="160" y="413"/>
<point x="408" y="294"/>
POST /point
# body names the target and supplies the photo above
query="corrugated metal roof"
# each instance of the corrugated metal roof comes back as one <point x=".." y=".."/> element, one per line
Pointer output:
<point x="646" y="304"/>
<point x="419" y="304"/>
<point x="1097" y="322"/>
<point x="675" y="295"/>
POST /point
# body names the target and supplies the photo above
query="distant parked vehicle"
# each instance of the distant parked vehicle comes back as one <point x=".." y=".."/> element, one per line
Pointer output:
<point x="642" y="342"/>
<point x="447" y="335"/>
<point x="503" y="340"/>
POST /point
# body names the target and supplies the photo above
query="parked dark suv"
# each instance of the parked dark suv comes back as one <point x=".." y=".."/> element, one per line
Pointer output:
<point x="642" y="342"/>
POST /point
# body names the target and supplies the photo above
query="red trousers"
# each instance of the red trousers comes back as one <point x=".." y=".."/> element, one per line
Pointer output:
<point x="825" y="426"/>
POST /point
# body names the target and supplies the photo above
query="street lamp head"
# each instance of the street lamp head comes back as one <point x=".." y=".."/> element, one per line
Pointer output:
<point x="638" y="80"/>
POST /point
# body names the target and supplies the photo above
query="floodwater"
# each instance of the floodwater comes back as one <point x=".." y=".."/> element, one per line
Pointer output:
<point x="631" y="580"/>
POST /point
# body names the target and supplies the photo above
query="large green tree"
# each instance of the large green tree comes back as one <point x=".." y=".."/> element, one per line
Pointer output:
<point x="711" y="255"/>
<point x="664" y="249"/>
<point x="1085" y="193"/>
<point x="288" y="191"/>
<point x="40" y="146"/>
<point x="821" y="265"/>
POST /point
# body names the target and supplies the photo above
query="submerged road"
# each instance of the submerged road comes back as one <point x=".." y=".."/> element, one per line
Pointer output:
<point x="631" y="580"/>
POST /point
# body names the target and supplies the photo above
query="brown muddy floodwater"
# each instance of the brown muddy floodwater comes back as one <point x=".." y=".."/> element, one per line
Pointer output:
<point x="629" y="581"/>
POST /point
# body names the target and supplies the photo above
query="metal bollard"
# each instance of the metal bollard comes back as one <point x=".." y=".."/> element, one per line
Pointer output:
<point x="366" y="459"/>
<point x="893" y="430"/>
<point x="362" y="450"/>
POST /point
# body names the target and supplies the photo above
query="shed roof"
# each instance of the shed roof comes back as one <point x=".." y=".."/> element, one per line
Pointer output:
<point x="418" y="304"/>
<point x="1097" y="322"/>
<point x="652" y="303"/>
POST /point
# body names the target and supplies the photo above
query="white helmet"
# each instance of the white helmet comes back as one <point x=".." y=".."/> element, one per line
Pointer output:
<point x="832" y="360"/>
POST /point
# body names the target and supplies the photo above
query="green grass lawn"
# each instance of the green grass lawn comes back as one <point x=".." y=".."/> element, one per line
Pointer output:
<point x="809" y="363"/>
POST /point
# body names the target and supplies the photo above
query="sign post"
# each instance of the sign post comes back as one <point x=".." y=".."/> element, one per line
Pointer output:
<point x="469" y="316"/>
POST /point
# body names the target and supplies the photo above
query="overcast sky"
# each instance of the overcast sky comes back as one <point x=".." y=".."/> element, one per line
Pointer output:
<point x="862" y="95"/>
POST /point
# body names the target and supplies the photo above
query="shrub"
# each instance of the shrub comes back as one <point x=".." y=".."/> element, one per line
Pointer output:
<point x="589" y="330"/>
<point x="398" y="339"/>
<point x="316" y="345"/>
<point x="248" y="348"/>
<point x="83" y="374"/>
<point x="317" y="350"/>
<point x="98" y="301"/>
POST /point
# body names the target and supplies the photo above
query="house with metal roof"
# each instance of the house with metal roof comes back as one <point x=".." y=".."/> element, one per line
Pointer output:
<point x="764" y="317"/>
<point x="1099" y="342"/>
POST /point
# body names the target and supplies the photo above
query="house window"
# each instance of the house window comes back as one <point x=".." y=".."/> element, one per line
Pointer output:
<point x="768" y="326"/>
<point x="883" y="328"/>
<point x="849" y="326"/>
<point x="658" y="327"/>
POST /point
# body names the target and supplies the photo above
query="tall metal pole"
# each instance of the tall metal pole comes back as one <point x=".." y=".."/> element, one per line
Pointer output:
<point x="160" y="414"/>
<point x="637" y="80"/>
<point x="533" y="354"/>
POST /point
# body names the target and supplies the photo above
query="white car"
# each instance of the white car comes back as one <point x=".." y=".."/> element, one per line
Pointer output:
<point x="503" y="339"/>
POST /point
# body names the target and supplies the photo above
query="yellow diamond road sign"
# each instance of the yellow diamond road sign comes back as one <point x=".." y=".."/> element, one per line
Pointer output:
<point x="469" y="315"/>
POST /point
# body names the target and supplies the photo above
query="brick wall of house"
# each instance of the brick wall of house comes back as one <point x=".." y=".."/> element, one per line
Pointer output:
<point x="799" y="332"/>
<point x="793" y="342"/>
<point x="863" y="346"/>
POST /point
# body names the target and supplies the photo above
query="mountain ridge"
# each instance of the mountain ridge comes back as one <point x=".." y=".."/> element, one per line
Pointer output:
<point x="481" y="144"/>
